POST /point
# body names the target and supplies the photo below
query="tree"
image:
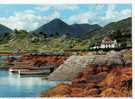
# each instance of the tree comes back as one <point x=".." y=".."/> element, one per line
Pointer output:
<point x="41" y="33"/>
<point x="56" y="34"/>
<point x="51" y="35"/>
<point x="45" y="35"/>
<point x="124" y="45"/>
<point x="16" y="31"/>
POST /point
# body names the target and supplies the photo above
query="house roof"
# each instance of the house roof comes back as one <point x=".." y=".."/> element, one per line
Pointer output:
<point x="107" y="40"/>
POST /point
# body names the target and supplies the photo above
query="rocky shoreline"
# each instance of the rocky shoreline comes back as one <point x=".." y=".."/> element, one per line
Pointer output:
<point x="4" y="67"/>
<point x="74" y="64"/>
<point x="37" y="64"/>
<point x="96" y="81"/>
<point x="92" y="75"/>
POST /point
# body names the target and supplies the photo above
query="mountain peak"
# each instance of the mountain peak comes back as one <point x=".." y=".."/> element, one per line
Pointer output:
<point x="61" y="27"/>
<point x="57" y="20"/>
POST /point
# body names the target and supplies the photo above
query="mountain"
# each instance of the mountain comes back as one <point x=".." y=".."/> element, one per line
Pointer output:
<point x="123" y="26"/>
<point x="54" y="26"/>
<point x="20" y="39"/>
<point x="82" y="29"/>
<point x="59" y="26"/>
<point x="4" y="31"/>
<point x="120" y="30"/>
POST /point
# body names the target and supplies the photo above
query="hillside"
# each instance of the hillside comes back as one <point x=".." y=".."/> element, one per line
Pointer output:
<point x="120" y="30"/>
<point x="4" y="31"/>
<point x="21" y="40"/>
<point x="61" y="28"/>
<point x="96" y="81"/>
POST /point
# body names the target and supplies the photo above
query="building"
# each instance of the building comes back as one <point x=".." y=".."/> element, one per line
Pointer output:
<point x="107" y="42"/>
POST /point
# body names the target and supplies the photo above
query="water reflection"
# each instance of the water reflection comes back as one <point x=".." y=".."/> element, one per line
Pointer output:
<point x="12" y="85"/>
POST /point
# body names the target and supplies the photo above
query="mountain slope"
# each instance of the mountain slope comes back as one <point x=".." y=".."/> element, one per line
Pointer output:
<point x="59" y="26"/>
<point x="54" y="26"/>
<point x="120" y="30"/>
<point x="4" y="29"/>
<point x="82" y="29"/>
<point x="123" y="26"/>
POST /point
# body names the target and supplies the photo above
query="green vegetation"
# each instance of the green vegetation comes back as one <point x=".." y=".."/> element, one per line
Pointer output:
<point x="23" y="41"/>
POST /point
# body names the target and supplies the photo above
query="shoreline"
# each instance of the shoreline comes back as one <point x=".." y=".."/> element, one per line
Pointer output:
<point x="96" y="82"/>
<point x="5" y="68"/>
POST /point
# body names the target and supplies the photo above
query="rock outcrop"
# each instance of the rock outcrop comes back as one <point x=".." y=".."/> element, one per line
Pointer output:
<point x="108" y="75"/>
<point x="43" y="58"/>
<point x="74" y="64"/>
<point x="71" y="67"/>
<point x="40" y="60"/>
<point x="96" y="81"/>
<point x="30" y="63"/>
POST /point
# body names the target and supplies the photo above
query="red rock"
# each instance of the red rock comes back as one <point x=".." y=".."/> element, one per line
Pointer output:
<point x="95" y="81"/>
<point x="60" y="90"/>
<point x="110" y="92"/>
<point x="41" y="59"/>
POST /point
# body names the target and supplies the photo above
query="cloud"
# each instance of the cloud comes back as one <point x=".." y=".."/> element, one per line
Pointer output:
<point x="66" y="7"/>
<point x="81" y="18"/>
<point x="57" y="7"/>
<point x="42" y="8"/>
<point x="27" y="20"/>
<point x="111" y="14"/>
<point x="29" y="11"/>
<point x="127" y="13"/>
<point x="31" y="19"/>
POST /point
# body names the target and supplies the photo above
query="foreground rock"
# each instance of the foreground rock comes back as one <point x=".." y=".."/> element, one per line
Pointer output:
<point x="74" y="64"/>
<point x="70" y="68"/>
<point x="96" y="81"/>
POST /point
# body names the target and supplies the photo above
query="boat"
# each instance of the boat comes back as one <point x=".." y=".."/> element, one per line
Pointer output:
<point x="29" y="70"/>
<point x="13" y="70"/>
<point x="34" y="72"/>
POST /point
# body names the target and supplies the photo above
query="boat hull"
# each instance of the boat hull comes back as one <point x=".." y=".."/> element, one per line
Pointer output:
<point x="35" y="72"/>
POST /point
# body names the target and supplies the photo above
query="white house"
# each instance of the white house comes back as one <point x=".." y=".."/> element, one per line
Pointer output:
<point x="107" y="42"/>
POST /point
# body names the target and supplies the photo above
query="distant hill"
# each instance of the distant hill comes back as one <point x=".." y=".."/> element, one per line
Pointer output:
<point x="120" y="30"/>
<point x="54" y="26"/>
<point x="4" y="31"/>
<point x="38" y="41"/>
<point x="82" y="29"/>
<point x="123" y="26"/>
<point x="59" y="26"/>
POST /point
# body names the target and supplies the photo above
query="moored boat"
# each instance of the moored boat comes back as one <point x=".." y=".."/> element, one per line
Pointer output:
<point x="13" y="70"/>
<point x="33" y="72"/>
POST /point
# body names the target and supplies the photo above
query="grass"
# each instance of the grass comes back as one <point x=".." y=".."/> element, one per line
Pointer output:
<point x="21" y="42"/>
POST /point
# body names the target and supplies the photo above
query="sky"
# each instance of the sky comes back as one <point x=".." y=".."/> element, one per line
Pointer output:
<point x="30" y="17"/>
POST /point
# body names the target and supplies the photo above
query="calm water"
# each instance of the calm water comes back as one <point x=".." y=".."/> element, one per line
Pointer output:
<point x="12" y="85"/>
